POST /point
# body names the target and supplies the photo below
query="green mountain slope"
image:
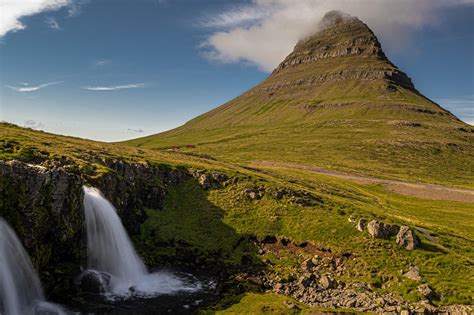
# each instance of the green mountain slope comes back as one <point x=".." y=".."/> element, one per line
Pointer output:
<point x="335" y="102"/>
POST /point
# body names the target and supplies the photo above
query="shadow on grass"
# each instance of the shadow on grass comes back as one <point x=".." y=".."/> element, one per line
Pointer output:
<point x="432" y="248"/>
<point x="189" y="233"/>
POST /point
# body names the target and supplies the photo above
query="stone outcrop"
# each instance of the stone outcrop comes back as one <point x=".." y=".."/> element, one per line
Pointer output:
<point x="382" y="230"/>
<point x="425" y="290"/>
<point x="407" y="238"/>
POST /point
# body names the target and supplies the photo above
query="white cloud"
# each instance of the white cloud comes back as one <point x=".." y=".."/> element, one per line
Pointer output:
<point x="101" y="62"/>
<point x="461" y="107"/>
<point x="75" y="7"/>
<point x="236" y="17"/>
<point x="139" y="130"/>
<point x="264" y="32"/>
<point x="114" y="87"/>
<point x="31" y="88"/>
<point x="52" y="23"/>
<point x="13" y="10"/>
<point x="33" y="124"/>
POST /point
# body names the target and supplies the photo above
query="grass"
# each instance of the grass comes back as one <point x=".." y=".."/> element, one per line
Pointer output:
<point x="215" y="225"/>
<point x="346" y="124"/>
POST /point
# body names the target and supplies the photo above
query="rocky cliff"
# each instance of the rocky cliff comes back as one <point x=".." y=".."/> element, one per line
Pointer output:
<point x="44" y="206"/>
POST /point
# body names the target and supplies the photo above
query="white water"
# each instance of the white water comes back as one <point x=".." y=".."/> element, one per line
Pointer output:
<point x="110" y="250"/>
<point x="20" y="288"/>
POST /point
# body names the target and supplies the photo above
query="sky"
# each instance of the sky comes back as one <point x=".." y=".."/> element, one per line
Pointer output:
<point x="119" y="69"/>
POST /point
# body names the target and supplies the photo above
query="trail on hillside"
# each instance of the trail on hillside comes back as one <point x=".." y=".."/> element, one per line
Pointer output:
<point x="419" y="190"/>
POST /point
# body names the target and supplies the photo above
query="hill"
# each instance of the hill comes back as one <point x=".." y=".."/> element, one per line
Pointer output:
<point x="255" y="226"/>
<point x="338" y="103"/>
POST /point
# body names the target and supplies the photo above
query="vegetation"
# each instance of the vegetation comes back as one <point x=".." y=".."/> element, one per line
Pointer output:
<point x="357" y="114"/>
<point x="212" y="223"/>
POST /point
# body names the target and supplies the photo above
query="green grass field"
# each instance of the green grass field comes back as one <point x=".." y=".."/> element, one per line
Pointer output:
<point x="212" y="222"/>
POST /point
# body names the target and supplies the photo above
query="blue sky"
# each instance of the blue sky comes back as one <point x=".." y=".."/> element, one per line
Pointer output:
<point x="113" y="70"/>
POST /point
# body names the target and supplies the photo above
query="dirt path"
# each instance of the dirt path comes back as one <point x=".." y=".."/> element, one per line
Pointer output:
<point x="419" y="190"/>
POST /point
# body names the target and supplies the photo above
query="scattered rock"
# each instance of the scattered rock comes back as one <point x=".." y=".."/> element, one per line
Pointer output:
<point x="308" y="265"/>
<point x="352" y="219"/>
<point x="290" y="304"/>
<point x="269" y="239"/>
<point x="413" y="273"/>
<point x="327" y="283"/>
<point x="425" y="290"/>
<point x="253" y="193"/>
<point x="407" y="238"/>
<point x="361" y="225"/>
<point x="205" y="181"/>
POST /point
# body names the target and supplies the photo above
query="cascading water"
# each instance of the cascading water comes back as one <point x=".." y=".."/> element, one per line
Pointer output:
<point x="110" y="250"/>
<point x="20" y="288"/>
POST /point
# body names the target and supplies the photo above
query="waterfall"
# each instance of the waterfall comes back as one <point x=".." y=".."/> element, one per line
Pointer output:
<point x="20" y="288"/>
<point x="109" y="248"/>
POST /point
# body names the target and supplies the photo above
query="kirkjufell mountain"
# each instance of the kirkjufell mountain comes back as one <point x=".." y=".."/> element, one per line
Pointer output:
<point x="334" y="185"/>
<point x="338" y="102"/>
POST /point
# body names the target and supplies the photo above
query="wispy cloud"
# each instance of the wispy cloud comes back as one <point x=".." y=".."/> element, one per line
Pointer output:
<point x="462" y="107"/>
<point x="101" y="62"/>
<point x="236" y="17"/>
<point x="31" y="88"/>
<point x="139" y="130"/>
<point x="52" y="23"/>
<point x="75" y="7"/>
<point x="263" y="32"/>
<point x="33" y="124"/>
<point x="115" y="87"/>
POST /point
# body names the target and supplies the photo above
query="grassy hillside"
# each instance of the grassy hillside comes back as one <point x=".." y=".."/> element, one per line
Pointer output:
<point x="336" y="102"/>
<point x="212" y="223"/>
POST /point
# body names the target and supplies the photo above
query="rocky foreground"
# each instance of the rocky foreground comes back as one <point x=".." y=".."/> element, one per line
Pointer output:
<point x="47" y="202"/>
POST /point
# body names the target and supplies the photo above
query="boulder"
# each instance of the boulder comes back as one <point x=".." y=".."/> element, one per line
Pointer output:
<point x="361" y="225"/>
<point x="94" y="281"/>
<point x="352" y="219"/>
<point x="425" y="290"/>
<point x="252" y="193"/>
<point x="308" y="265"/>
<point x="413" y="273"/>
<point x="407" y="238"/>
<point x="205" y="181"/>
<point x="327" y="282"/>
<point x="379" y="229"/>
<point x="219" y="177"/>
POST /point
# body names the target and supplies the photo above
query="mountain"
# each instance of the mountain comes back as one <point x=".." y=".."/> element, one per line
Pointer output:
<point x="335" y="102"/>
<point x="270" y="192"/>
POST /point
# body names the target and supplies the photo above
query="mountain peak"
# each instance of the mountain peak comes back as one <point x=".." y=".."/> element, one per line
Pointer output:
<point x="333" y="18"/>
<point x="343" y="42"/>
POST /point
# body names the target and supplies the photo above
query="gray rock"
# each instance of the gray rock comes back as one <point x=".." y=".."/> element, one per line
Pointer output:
<point x="361" y="225"/>
<point x="205" y="181"/>
<point x="407" y="238"/>
<point x="94" y="281"/>
<point x="308" y="265"/>
<point x="425" y="290"/>
<point x="327" y="282"/>
<point x="413" y="273"/>
<point x="379" y="229"/>
<point x="253" y="193"/>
